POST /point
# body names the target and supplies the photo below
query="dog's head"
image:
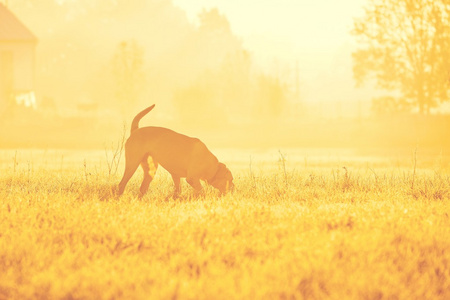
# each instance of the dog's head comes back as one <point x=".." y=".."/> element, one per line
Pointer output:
<point x="223" y="180"/>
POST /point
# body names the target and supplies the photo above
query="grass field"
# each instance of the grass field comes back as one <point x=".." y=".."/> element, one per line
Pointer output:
<point x="301" y="224"/>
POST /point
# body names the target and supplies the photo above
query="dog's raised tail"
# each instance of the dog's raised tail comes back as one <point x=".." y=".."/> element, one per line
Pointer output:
<point x="139" y="116"/>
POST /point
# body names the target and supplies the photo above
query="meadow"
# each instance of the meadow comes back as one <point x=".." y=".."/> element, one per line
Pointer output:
<point x="302" y="224"/>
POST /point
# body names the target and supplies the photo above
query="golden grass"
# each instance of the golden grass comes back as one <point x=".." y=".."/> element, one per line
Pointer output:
<point x="289" y="231"/>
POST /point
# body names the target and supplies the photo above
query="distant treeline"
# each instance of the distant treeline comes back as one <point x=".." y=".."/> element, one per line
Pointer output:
<point x="406" y="131"/>
<point x="125" y="55"/>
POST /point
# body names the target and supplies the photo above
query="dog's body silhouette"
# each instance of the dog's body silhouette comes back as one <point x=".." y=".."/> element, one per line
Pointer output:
<point x="180" y="155"/>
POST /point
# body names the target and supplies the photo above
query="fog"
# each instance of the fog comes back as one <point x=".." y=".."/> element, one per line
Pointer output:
<point x="99" y="62"/>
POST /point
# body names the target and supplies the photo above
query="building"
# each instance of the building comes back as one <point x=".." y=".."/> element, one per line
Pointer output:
<point x="17" y="61"/>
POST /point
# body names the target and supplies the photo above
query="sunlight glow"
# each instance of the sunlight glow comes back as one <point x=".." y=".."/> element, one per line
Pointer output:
<point x="224" y="149"/>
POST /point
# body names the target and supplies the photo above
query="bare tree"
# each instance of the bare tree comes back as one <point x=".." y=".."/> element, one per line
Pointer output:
<point x="405" y="45"/>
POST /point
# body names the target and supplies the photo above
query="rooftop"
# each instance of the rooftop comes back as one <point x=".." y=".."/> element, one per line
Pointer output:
<point x="12" y="29"/>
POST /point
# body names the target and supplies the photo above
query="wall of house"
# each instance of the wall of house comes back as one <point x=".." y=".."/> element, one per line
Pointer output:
<point x="17" y="64"/>
<point x="23" y="64"/>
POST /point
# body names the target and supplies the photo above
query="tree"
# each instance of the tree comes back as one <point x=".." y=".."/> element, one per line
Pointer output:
<point x="272" y="97"/>
<point x="211" y="20"/>
<point x="405" y="45"/>
<point x="128" y="73"/>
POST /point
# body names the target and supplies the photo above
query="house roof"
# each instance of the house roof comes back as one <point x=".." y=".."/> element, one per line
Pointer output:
<point x="12" y="29"/>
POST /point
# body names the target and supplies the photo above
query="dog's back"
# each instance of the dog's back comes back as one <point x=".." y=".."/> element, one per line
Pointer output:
<point x="172" y="150"/>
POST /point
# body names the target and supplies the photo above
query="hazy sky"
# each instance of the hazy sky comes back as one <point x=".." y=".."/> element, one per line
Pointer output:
<point x="286" y="31"/>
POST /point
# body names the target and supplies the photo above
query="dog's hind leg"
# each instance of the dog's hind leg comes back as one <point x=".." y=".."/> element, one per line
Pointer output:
<point x="149" y="173"/>
<point x="131" y="164"/>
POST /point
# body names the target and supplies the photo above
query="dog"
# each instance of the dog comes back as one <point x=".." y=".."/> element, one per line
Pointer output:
<point x="180" y="155"/>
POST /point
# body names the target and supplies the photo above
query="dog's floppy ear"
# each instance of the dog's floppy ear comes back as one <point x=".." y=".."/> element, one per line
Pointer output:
<point x="222" y="170"/>
<point x="229" y="172"/>
<point x="221" y="173"/>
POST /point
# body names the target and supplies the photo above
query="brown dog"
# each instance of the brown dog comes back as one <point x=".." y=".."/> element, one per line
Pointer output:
<point x="180" y="155"/>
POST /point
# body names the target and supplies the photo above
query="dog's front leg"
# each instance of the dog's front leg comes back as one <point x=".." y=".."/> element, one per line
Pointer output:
<point x="177" y="190"/>
<point x="195" y="183"/>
